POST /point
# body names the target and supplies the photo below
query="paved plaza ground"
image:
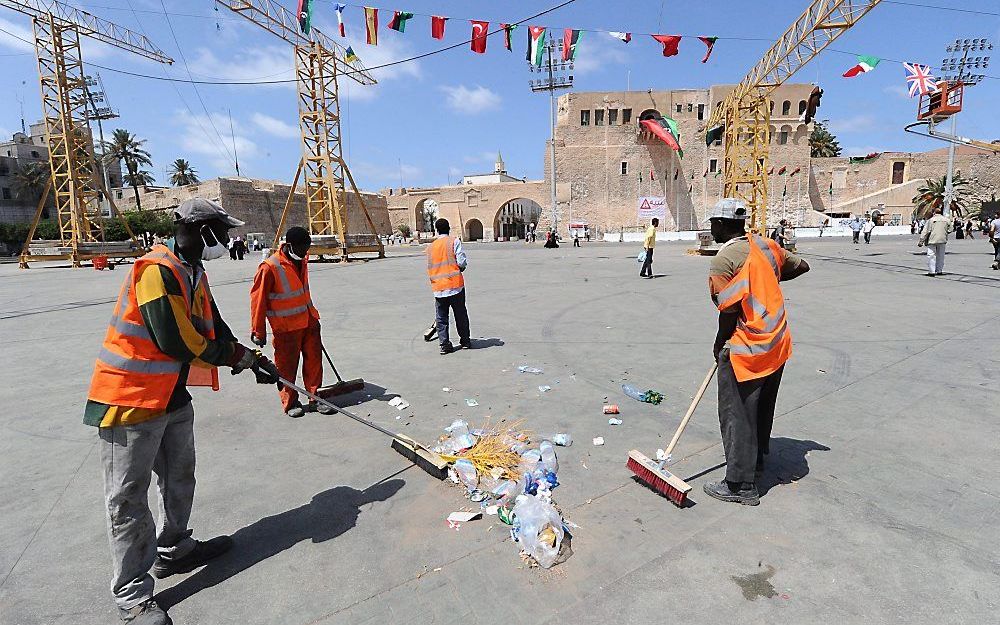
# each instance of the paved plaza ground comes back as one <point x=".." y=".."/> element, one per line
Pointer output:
<point x="880" y="504"/>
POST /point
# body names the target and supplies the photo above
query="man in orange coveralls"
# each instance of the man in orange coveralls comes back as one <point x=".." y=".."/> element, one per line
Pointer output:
<point x="280" y="294"/>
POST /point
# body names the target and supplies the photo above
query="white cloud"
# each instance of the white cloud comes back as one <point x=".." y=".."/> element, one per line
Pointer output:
<point x="860" y="150"/>
<point x="390" y="49"/>
<point x="274" y="126"/>
<point x="385" y="175"/>
<point x="598" y="51"/>
<point x="198" y="137"/>
<point x="897" y="90"/>
<point x="17" y="34"/>
<point x="255" y="63"/>
<point x="482" y="157"/>
<point x="861" y="122"/>
<point x="466" y="101"/>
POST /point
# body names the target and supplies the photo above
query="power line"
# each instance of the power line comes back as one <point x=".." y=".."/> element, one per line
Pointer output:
<point x="940" y="8"/>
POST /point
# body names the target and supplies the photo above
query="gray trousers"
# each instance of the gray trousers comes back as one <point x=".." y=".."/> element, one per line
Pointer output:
<point x="129" y="455"/>
<point x="746" y="414"/>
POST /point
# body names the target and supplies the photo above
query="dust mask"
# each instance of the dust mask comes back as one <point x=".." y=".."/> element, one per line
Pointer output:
<point x="213" y="250"/>
<point x="293" y="255"/>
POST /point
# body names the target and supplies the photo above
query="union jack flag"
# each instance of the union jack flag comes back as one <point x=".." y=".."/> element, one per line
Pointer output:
<point x="920" y="79"/>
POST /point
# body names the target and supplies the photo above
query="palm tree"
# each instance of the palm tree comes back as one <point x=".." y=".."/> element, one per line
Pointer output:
<point x="126" y="147"/>
<point x="139" y="178"/>
<point x="822" y="144"/>
<point x="931" y="195"/>
<point x="181" y="173"/>
<point x="30" y="180"/>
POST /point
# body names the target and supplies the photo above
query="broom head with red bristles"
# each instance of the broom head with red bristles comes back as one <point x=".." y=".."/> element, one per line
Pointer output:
<point x="660" y="480"/>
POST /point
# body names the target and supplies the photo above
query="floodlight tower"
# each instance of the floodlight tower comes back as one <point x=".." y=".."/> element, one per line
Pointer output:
<point x="556" y="78"/>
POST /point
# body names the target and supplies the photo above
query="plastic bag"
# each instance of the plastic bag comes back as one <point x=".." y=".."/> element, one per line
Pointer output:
<point x="540" y="530"/>
<point x="641" y="258"/>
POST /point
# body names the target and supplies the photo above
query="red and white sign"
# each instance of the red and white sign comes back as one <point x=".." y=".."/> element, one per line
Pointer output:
<point x="652" y="206"/>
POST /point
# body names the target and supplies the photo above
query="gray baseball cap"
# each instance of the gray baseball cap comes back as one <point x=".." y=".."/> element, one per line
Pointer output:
<point x="728" y="208"/>
<point x="200" y="209"/>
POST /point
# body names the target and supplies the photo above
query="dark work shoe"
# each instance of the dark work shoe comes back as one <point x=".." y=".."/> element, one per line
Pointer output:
<point x="146" y="613"/>
<point x="466" y="343"/>
<point x="202" y="553"/>
<point x="746" y="495"/>
<point x="430" y="333"/>
<point x="447" y="348"/>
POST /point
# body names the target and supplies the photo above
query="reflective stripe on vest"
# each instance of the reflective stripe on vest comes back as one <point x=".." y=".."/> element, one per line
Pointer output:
<point x="135" y="365"/>
<point x="289" y="309"/>
<point x="128" y="328"/>
<point x="287" y="312"/>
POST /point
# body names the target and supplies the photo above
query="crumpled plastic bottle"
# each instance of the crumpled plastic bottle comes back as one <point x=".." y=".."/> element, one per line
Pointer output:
<point x="548" y="454"/>
<point x="467" y="473"/>
<point x="527" y="369"/>
<point x="540" y="529"/>
<point x="461" y="438"/>
<point x="634" y="392"/>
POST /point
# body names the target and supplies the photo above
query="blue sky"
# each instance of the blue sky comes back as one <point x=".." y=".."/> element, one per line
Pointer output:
<point x="431" y="120"/>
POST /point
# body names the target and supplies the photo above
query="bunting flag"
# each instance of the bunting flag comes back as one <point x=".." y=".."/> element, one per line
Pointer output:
<point x="350" y="56"/>
<point x="670" y="43"/>
<point x="339" y="9"/>
<point x="304" y="14"/>
<point x="437" y="26"/>
<point x="479" y="32"/>
<point x="710" y="42"/>
<point x="920" y="79"/>
<point x="571" y="39"/>
<point x="536" y="45"/>
<point x="624" y="37"/>
<point x="666" y="129"/>
<point x="797" y="170"/>
<point x="398" y="21"/>
<point x="781" y="172"/>
<point x="371" y="26"/>
<point x="865" y="65"/>
<point x="508" y="29"/>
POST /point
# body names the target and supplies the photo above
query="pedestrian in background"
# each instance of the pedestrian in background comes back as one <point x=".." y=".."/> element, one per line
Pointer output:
<point x="935" y="237"/>
<point x="855" y="226"/>
<point x="994" y="232"/>
<point x="969" y="229"/>
<point x="648" y="244"/>
<point x="867" y="229"/>
<point x="958" y="228"/>
<point x="576" y="239"/>
<point x="823" y="226"/>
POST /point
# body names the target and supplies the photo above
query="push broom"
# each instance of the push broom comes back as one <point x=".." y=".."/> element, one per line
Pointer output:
<point x="656" y="476"/>
<point x="341" y="387"/>
<point x="415" y="452"/>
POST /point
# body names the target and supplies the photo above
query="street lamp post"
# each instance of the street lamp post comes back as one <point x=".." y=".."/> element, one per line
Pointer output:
<point x="957" y="72"/>
<point x="555" y="78"/>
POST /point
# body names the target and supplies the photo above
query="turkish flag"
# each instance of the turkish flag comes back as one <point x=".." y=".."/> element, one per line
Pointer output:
<point x="437" y="26"/>
<point x="670" y="43"/>
<point x="479" y="30"/>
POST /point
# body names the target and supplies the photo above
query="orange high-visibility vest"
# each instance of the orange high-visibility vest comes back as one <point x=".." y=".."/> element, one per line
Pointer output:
<point x="131" y="370"/>
<point x="761" y="343"/>
<point x="442" y="266"/>
<point x="289" y="305"/>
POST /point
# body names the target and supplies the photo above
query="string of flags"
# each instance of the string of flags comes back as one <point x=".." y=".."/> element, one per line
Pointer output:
<point x="919" y="78"/>
<point x="537" y="35"/>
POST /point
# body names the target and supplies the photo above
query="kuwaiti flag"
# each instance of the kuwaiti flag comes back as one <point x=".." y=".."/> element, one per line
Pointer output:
<point x="666" y="129"/>
<point x="339" y="8"/>
<point x="536" y="45"/>
<point x="865" y="65"/>
<point x="624" y="37"/>
<point x="571" y="39"/>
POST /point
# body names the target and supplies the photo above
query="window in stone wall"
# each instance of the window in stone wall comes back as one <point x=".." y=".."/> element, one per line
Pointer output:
<point x="584" y="118"/>
<point x="6" y="193"/>
<point x="783" y="135"/>
<point x="626" y="116"/>
<point x="690" y="107"/>
<point x="613" y="117"/>
<point x="701" y="111"/>
<point x="802" y="106"/>
<point x="713" y="165"/>
<point x="898" y="168"/>
<point x="786" y="108"/>
<point x="680" y="107"/>
<point x="599" y="117"/>
<point x="34" y="153"/>
<point x="840" y="178"/>
<point x="624" y="168"/>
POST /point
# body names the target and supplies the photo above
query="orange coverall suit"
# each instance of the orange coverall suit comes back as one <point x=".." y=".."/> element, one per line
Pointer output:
<point x="280" y="294"/>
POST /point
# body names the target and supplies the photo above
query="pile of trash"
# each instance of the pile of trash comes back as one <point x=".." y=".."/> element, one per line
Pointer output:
<point x="506" y="476"/>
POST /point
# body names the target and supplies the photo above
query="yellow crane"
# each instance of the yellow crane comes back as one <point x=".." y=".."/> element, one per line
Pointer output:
<point x="745" y="114"/>
<point x="319" y="61"/>
<point x="74" y="182"/>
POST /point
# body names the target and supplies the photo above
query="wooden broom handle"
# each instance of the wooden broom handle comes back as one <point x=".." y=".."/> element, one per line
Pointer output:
<point x="691" y="408"/>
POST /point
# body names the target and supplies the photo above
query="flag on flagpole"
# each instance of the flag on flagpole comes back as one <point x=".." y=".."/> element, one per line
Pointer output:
<point x="624" y="37"/>
<point x="710" y="42"/>
<point x="479" y="31"/>
<point x="785" y="192"/>
<point x="771" y="171"/>
<point x="437" y="26"/>
<point x="371" y="26"/>
<point x="350" y="56"/>
<point x="670" y="43"/>
<point x="920" y="79"/>
<point x="718" y="172"/>
<point x="666" y="129"/>
<point x="304" y="13"/>
<point x="339" y="9"/>
<point x="705" y="175"/>
<point x="781" y="172"/>
<point x="571" y="38"/>
<point x="865" y="64"/>
<point x="797" y="170"/>
<point x="831" y="188"/>
<point x="508" y="29"/>
<point x="536" y="45"/>
<point x="690" y="188"/>
<point x="677" y="172"/>
<point x="398" y="21"/>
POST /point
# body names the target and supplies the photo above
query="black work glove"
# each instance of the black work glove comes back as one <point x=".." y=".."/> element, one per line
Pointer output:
<point x="266" y="372"/>
<point x="259" y="341"/>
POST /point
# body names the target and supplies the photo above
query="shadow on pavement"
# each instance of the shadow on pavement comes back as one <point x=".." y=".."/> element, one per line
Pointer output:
<point x="485" y="343"/>
<point x="329" y="514"/>
<point x="370" y="392"/>
<point x="787" y="462"/>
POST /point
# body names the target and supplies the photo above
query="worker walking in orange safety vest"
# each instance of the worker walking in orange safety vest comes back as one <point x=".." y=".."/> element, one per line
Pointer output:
<point x="446" y="260"/>
<point x="280" y="294"/>
<point x="165" y="334"/>
<point x="751" y="347"/>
